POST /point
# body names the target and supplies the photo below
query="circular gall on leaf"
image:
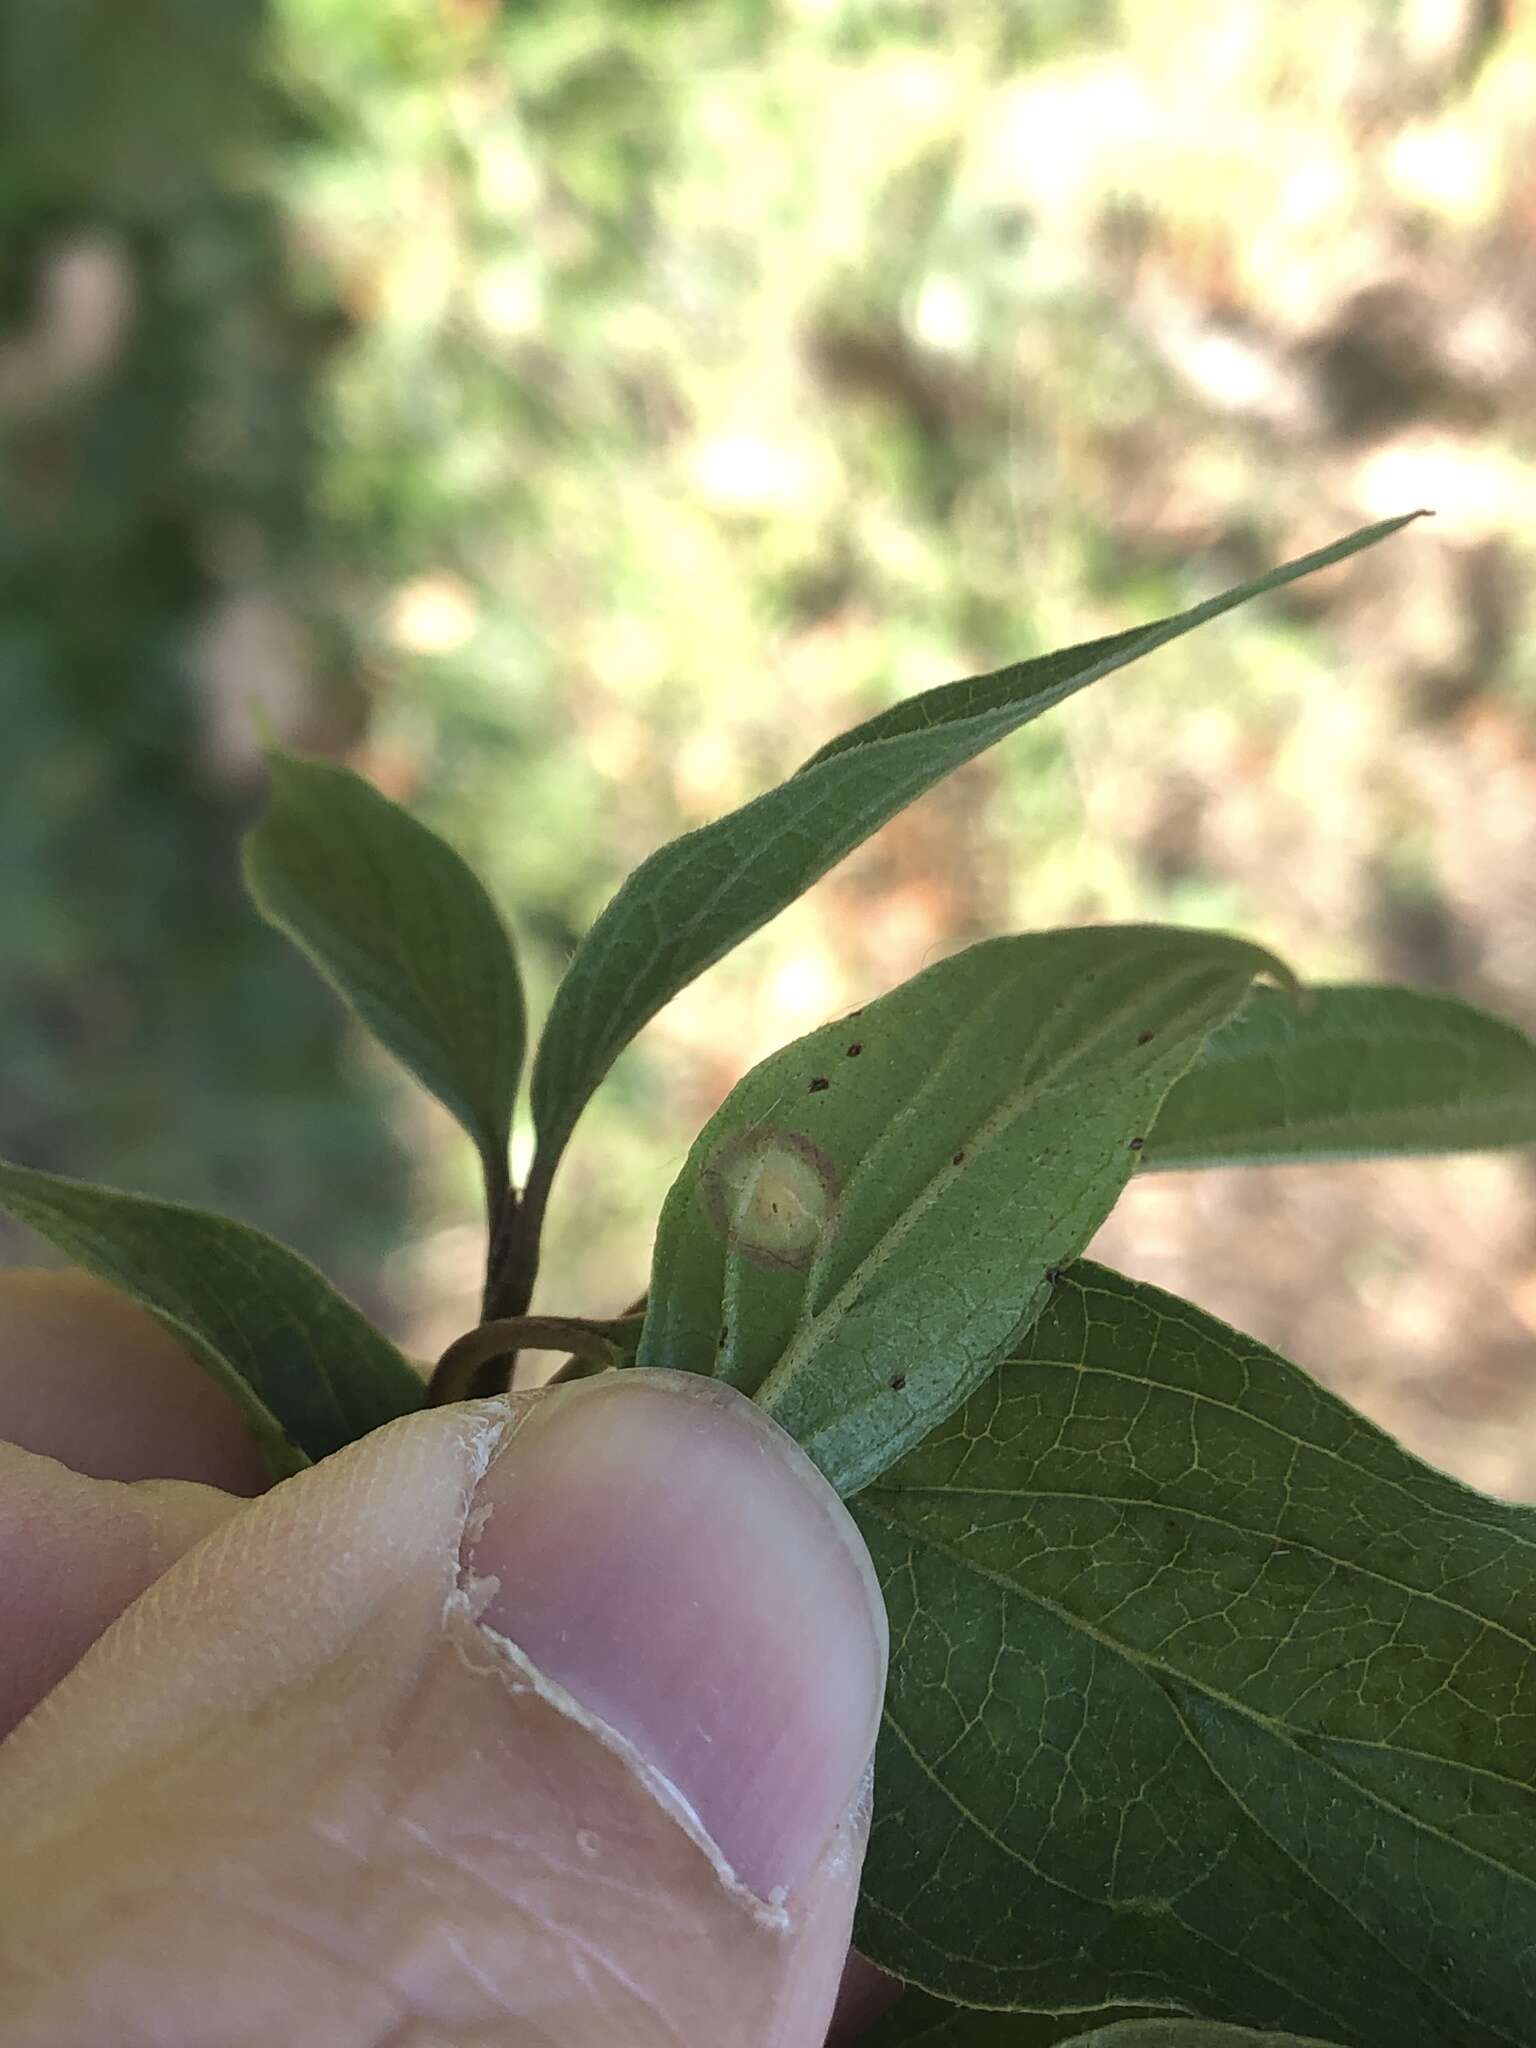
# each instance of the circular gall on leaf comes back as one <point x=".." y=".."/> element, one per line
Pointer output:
<point x="768" y="1191"/>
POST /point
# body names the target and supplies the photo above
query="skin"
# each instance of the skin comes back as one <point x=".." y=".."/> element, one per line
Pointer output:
<point x="462" y="1737"/>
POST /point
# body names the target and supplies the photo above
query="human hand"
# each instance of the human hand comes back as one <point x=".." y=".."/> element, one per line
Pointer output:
<point x="541" y="1720"/>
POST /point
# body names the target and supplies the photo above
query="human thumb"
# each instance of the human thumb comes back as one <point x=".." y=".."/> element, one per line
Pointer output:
<point x="543" y="1719"/>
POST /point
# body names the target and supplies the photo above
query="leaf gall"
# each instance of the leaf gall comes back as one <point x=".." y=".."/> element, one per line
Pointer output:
<point x="768" y="1191"/>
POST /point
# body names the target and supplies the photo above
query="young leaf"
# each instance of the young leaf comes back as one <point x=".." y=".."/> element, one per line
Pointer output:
<point x="404" y="932"/>
<point x="1203" y="1692"/>
<point x="920" y="2021"/>
<point x="309" y="1370"/>
<point x="695" y="899"/>
<point x="862" y="1227"/>
<point x="1348" y="1073"/>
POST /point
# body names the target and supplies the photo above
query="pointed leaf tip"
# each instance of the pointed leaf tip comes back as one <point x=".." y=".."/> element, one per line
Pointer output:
<point x="692" y="901"/>
<point x="405" y="932"/>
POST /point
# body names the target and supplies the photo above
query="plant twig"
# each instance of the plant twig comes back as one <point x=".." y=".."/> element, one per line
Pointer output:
<point x="512" y="1264"/>
<point x="502" y="1205"/>
<point x="480" y="1362"/>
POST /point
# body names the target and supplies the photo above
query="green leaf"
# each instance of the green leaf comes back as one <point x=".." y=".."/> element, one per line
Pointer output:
<point x="919" y="2020"/>
<point x="1203" y="1693"/>
<point x="404" y="932"/>
<point x="695" y="899"/>
<point x="1347" y="1073"/>
<point x="860" y="1230"/>
<point x="309" y="1370"/>
<point x="1180" y="2033"/>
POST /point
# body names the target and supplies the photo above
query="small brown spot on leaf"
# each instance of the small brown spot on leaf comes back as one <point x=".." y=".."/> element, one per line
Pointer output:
<point x="898" y="1383"/>
<point x="1144" y="1038"/>
<point x="819" y="1083"/>
<point x="723" y="1335"/>
<point x="957" y="1159"/>
<point x="854" y="1051"/>
<point x="1137" y="1143"/>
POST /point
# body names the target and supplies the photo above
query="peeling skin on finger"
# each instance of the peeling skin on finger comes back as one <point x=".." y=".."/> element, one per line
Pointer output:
<point x="304" y="1791"/>
<point x="666" y="1553"/>
<point x="522" y="1676"/>
<point x="485" y="1647"/>
<point x="482" y="1864"/>
<point x="483" y="1650"/>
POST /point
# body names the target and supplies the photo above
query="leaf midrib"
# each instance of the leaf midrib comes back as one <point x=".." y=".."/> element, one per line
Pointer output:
<point x="1157" y="1671"/>
<point x="1006" y="718"/>
<point x="577" y="1031"/>
<point x="433" y="1001"/>
<point x="1277" y="1145"/>
<point x="1307" y="1872"/>
<point x="1081" y="1369"/>
<point x="806" y="1337"/>
<point x="1289" y="1543"/>
<point x="437" y="1001"/>
<point x="1057" y="1884"/>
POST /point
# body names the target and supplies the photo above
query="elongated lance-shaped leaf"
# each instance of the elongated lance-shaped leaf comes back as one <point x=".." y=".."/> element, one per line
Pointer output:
<point x="921" y="2021"/>
<point x="1349" y="1073"/>
<point x="862" y="1227"/>
<point x="695" y="899"/>
<point x="1203" y="1693"/>
<point x="308" y="1369"/>
<point x="404" y="931"/>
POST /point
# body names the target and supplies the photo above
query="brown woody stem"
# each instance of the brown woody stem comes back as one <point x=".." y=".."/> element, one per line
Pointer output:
<point x="480" y="1362"/>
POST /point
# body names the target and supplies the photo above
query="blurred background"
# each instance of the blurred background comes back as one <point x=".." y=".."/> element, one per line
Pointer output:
<point x="572" y="414"/>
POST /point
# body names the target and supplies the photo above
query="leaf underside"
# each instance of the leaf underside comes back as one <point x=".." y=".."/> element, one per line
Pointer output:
<point x="1349" y="1073"/>
<point x="859" y="1232"/>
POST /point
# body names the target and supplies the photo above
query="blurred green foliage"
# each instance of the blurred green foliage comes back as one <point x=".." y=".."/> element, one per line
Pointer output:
<point x="156" y="374"/>
<point x="577" y="412"/>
